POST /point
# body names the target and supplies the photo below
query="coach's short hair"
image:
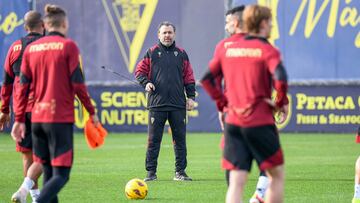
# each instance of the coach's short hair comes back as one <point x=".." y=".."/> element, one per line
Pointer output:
<point x="166" y="23"/>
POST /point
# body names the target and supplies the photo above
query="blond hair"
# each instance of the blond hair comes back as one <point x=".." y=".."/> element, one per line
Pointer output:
<point x="253" y="16"/>
<point x="54" y="15"/>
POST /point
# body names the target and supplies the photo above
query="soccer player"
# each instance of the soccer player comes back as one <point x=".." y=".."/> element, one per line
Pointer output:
<point x="51" y="65"/>
<point x="251" y="66"/>
<point x="165" y="73"/>
<point x="356" y="198"/>
<point x="34" y="26"/>
<point x="234" y="27"/>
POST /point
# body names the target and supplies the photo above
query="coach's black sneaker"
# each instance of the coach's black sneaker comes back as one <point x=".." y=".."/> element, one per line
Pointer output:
<point x="151" y="176"/>
<point x="182" y="176"/>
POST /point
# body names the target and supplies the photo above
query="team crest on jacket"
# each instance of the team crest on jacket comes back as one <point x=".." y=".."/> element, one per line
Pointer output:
<point x="176" y="53"/>
<point x="152" y="119"/>
<point x="159" y="53"/>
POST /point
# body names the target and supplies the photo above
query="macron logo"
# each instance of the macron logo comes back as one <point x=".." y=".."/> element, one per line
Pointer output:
<point x="46" y="46"/>
<point x="243" y="52"/>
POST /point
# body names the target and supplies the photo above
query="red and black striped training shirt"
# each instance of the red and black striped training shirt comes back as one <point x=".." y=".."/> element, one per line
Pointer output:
<point x="251" y="67"/>
<point x="52" y="65"/>
<point x="12" y="65"/>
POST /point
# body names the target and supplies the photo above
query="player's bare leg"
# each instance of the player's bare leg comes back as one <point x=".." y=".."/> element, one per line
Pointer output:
<point x="356" y="198"/>
<point x="32" y="172"/>
<point x="27" y="161"/>
<point x="20" y="195"/>
<point x="237" y="183"/>
<point x="275" y="192"/>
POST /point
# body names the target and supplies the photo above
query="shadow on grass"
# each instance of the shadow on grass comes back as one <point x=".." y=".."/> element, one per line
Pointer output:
<point x="161" y="199"/>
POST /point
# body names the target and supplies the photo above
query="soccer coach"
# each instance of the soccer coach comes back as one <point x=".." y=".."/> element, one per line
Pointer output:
<point x="165" y="72"/>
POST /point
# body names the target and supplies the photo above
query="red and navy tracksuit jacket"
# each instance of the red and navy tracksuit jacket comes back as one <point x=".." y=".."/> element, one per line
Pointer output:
<point x="52" y="65"/>
<point x="169" y="69"/>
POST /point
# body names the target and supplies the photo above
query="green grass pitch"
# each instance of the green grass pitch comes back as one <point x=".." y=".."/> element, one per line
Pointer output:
<point x="319" y="168"/>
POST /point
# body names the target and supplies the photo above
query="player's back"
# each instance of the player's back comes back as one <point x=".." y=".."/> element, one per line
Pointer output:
<point x="247" y="68"/>
<point x="226" y="42"/>
<point x="49" y="60"/>
<point x="219" y="50"/>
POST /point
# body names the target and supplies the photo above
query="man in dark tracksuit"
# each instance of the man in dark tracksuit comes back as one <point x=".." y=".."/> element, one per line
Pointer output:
<point x="165" y="72"/>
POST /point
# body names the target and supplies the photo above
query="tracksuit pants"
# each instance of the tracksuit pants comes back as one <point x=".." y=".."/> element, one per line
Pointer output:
<point x="177" y="121"/>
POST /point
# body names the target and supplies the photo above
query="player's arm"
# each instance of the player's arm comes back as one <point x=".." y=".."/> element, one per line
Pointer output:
<point x="18" y="130"/>
<point x="216" y="62"/>
<point x="8" y="81"/>
<point x="24" y="89"/>
<point x="210" y="81"/>
<point x="280" y="84"/>
<point x="78" y="80"/>
<point x="142" y="72"/>
<point x="279" y="75"/>
<point x="6" y="90"/>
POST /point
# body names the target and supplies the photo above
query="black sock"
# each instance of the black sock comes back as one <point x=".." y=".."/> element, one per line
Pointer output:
<point x="262" y="173"/>
<point x="227" y="177"/>
<point x="53" y="185"/>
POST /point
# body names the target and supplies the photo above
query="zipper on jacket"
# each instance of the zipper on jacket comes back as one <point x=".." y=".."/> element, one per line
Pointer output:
<point x="168" y="73"/>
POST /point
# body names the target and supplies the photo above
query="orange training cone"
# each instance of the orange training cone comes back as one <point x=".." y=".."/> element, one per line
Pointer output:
<point x="94" y="136"/>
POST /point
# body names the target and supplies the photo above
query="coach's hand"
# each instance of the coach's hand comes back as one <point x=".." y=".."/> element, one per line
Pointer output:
<point x="190" y="103"/>
<point x="18" y="131"/>
<point x="4" y="120"/>
<point x="149" y="87"/>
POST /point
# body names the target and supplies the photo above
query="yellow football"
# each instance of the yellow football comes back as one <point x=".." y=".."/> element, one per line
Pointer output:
<point x="136" y="189"/>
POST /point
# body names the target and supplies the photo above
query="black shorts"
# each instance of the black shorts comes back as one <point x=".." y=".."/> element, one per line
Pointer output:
<point x="242" y="145"/>
<point x="26" y="144"/>
<point x="53" y="143"/>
